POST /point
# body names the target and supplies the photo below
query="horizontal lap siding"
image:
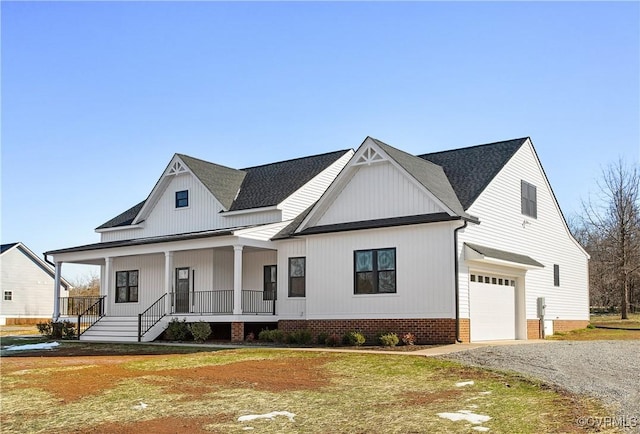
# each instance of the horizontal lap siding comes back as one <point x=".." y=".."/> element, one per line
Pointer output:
<point x="545" y="239"/>
<point x="32" y="288"/>
<point x="424" y="274"/>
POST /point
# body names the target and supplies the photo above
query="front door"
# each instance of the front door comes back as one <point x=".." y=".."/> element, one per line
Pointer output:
<point x="182" y="290"/>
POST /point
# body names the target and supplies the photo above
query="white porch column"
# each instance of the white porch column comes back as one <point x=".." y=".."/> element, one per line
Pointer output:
<point x="168" y="280"/>
<point x="56" y="291"/>
<point x="237" y="280"/>
<point x="104" y="289"/>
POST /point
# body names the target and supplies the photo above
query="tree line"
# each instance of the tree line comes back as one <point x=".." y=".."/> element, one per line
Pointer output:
<point x="609" y="230"/>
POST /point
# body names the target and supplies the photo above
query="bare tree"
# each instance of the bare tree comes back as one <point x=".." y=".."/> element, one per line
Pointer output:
<point x="86" y="285"/>
<point x="612" y="233"/>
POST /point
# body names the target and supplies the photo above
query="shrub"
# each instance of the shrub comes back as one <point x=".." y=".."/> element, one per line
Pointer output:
<point x="409" y="339"/>
<point x="356" y="339"/>
<point x="333" y="340"/>
<point x="271" y="335"/>
<point x="45" y="328"/>
<point x="200" y="331"/>
<point x="389" y="339"/>
<point x="301" y="337"/>
<point x="177" y="330"/>
<point x="57" y="330"/>
<point x="321" y="339"/>
<point x="250" y="337"/>
<point x="591" y="326"/>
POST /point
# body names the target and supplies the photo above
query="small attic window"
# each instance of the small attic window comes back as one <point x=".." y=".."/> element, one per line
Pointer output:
<point x="182" y="199"/>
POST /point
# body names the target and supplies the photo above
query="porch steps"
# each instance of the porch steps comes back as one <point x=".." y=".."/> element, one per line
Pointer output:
<point x="113" y="329"/>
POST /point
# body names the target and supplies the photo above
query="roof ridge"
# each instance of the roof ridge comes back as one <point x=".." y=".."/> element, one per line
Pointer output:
<point x="475" y="146"/>
<point x="207" y="162"/>
<point x="297" y="158"/>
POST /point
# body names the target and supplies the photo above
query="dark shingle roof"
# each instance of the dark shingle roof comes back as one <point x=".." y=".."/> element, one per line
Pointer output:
<point x="430" y="175"/>
<point x="5" y="247"/>
<point x="223" y="182"/>
<point x="258" y="186"/>
<point x="270" y="184"/>
<point x="503" y="255"/>
<point x="470" y="170"/>
<point x="123" y="219"/>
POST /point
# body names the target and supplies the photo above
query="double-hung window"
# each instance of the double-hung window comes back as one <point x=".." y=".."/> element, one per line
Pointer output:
<point x="182" y="199"/>
<point x="8" y="295"/>
<point x="374" y="271"/>
<point x="297" y="272"/>
<point x="127" y="286"/>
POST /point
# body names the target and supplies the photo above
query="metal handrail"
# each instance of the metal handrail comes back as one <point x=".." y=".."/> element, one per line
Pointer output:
<point x="93" y="313"/>
<point x="151" y="316"/>
<point x="258" y="302"/>
<point x="75" y="305"/>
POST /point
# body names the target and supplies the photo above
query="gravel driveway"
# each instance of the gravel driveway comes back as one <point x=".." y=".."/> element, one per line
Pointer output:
<point x="607" y="370"/>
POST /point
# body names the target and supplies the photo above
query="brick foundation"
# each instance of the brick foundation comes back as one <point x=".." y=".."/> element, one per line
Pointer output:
<point x="427" y="331"/>
<point x="533" y="329"/>
<point x="237" y="331"/>
<point x="565" y="325"/>
<point x="25" y="321"/>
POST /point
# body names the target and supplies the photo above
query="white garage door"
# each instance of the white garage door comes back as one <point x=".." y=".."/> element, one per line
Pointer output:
<point x="492" y="308"/>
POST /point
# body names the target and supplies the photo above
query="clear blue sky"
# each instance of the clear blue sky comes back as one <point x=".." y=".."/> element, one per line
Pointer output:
<point x="97" y="97"/>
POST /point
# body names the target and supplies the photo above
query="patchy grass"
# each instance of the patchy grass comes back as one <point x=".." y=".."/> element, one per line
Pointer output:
<point x="596" y="334"/>
<point x="80" y="348"/>
<point x="328" y="392"/>
<point x="614" y="321"/>
<point x="18" y="330"/>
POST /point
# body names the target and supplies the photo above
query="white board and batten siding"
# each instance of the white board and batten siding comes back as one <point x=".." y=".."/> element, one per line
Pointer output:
<point x="309" y="193"/>
<point x="203" y="212"/>
<point x="424" y="274"/>
<point x="209" y="270"/>
<point x="31" y="287"/>
<point x="289" y="307"/>
<point x="377" y="191"/>
<point x="545" y="239"/>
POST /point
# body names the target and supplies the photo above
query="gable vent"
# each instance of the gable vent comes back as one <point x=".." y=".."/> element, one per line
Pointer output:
<point x="369" y="156"/>
<point x="176" y="168"/>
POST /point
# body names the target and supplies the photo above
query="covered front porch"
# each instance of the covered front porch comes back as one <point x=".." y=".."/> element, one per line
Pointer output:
<point x="213" y="277"/>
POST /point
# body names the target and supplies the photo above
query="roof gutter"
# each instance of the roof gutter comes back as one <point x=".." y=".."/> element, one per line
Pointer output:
<point x="457" y="277"/>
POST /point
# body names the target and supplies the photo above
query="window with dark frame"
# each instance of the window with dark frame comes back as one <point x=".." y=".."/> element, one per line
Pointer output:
<point x="528" y="199"/>
<point x="127" y="286"/>
<point x="182" y="199"/>
<point x="8" y="295"/>
<point x="374" y="271"/>
<point x="270" y="282"/>
<point x="297" y="272"/>
<point x="556" y="275"/>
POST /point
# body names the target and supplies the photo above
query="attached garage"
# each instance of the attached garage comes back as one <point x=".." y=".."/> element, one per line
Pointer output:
<point x="492" y="304"/>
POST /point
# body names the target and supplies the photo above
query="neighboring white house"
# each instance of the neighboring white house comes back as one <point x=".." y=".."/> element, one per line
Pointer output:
<point x="26" y="286"/>
<point x="455" y="245"/>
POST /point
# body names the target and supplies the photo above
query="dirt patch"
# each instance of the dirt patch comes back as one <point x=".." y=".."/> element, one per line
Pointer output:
<point x="165" y="425"/>
<point x="79" y="377"/>
<point x="425" y="398"/>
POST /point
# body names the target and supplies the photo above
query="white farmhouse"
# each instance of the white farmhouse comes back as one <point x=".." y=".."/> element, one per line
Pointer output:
<point x="460" y="245"/>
